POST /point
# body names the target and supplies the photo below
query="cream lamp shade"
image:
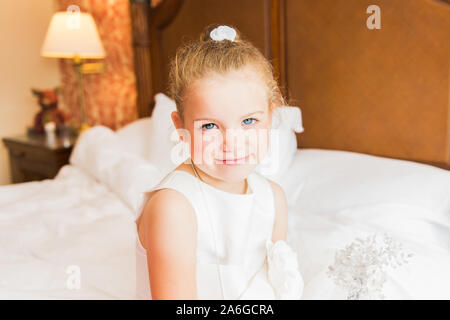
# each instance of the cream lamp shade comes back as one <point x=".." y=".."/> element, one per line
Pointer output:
<point x="72" y="34"/>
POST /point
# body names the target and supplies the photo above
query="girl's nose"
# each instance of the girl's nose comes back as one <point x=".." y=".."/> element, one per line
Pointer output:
<point x="227" y="145"/>
<point x="230" y="141"/>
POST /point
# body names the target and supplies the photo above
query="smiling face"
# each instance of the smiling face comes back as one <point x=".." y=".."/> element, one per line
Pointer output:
<point x="228" y="120"/>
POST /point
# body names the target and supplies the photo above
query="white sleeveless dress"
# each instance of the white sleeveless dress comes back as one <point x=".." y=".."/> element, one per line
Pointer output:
<point x="243" y="225"/>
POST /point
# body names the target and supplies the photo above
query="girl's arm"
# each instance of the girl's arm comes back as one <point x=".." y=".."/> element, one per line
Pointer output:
<point x="281" y="213"/>
<point x="168" y="231"/>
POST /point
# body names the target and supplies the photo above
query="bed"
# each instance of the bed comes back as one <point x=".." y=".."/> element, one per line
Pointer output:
<point x="61" y="228"/>
<point x="373" y="158"/>
<point x="78" y="225"/>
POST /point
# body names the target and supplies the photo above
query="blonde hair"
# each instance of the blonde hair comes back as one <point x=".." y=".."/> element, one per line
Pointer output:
<point x="198" y="59"/>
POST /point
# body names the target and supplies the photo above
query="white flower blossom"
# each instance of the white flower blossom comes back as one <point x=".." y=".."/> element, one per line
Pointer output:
<point x="359" y="268"/>
<point x="223" y="32"/>
<point x="283" y="271"/>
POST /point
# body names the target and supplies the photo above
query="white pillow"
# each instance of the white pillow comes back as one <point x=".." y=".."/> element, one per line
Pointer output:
<point x="85" y="154"/>
<point x="129" y="177"/>
<point x="283" y="142"/>
<point x="99" y="153"/>
<point x="162" y="128"/>
<point x="135" y="137"/>
<point x="150" y="137"/>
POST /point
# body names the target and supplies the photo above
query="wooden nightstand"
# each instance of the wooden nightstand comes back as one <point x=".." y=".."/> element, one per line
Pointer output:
<point x="32" y="158"/>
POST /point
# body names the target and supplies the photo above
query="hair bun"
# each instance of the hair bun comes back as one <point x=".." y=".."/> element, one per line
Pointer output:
<point x="206" y="33"/>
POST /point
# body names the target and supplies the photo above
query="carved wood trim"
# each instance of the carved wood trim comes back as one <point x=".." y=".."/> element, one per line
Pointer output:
<point x="139" y="11"/>
<point x="147" y="24"/>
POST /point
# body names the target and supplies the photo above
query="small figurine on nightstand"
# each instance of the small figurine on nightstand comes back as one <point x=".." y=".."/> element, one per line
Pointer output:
<point x="48" y="100"/>
<point x="50" y="133"/>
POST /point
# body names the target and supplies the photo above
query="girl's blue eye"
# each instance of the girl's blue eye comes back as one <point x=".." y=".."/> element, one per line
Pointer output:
<point x="252" y="121"/>
<point x="208" y="126"/>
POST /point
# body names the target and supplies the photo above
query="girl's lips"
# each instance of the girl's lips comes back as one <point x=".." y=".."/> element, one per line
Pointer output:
<point x="233" y="161"/>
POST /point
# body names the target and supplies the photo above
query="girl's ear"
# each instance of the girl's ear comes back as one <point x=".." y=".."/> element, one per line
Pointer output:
<point x="177" y="122"/>
<point x="176" y="119"/>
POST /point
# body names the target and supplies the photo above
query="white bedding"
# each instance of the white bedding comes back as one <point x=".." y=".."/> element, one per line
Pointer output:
<point x="349" y="195"/>
<point x="48" y="226"/>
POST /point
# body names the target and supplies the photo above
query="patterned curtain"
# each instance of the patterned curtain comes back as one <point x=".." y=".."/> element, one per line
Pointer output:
<point x="110" y="96"/>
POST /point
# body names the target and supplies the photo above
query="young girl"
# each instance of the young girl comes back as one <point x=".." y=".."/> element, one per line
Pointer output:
<point x="214" y="228"/>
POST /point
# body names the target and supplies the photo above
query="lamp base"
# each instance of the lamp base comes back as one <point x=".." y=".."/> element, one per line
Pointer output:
<point x="83" y="127"/>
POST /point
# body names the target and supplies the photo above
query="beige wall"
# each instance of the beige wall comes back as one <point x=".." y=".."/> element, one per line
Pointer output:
<point x="22" y="30"/>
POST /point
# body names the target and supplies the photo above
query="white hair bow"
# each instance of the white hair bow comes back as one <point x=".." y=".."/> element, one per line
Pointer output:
<point x="223" y="32"/>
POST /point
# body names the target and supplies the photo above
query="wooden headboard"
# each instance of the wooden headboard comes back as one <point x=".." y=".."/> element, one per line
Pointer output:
<point x="383" y="91"/>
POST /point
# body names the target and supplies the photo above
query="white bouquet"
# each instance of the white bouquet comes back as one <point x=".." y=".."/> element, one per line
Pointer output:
<point x="360" y="267"/>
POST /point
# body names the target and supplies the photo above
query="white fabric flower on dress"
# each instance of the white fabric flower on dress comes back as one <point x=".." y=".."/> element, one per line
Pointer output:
<point x="223" y="32"/>
<point x="283" y="271"/>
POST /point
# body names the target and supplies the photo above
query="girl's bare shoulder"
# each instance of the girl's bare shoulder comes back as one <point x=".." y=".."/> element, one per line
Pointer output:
<point x="168" y="201"/>
<point x="167" y="212"/>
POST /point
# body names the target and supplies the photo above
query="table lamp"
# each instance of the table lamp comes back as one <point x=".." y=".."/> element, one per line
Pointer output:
<point x="75" y="36"/>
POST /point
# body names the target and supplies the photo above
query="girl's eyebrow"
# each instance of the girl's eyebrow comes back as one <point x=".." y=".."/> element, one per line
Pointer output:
<point x="249" y="114"/>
